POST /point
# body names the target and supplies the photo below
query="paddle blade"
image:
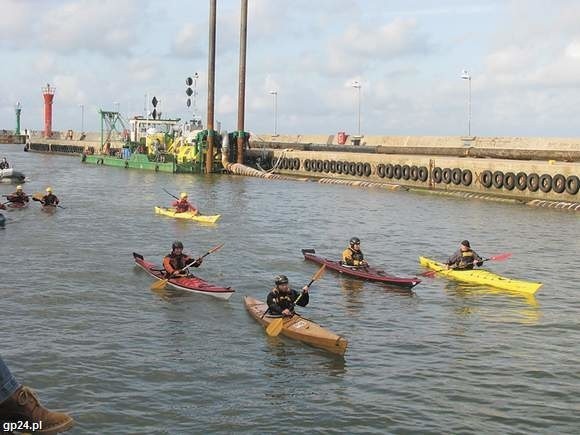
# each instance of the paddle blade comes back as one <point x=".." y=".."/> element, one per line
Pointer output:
<point x="319" y="273"/>
<point x="37" y="196"/>
<point x="215" y="248"/>
<point x="429" y="273"/>
<point x="159" y="285"/>
<point x="275" y="327"/>
<point x="500" y="257"/>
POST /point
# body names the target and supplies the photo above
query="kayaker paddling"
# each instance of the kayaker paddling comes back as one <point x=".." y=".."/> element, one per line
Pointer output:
<point x="18" y="197"/>
<point x="4" y="164"/>
<point x="175" y="262"/>
<point x="465" y="258"/>
<point x="282" y="299"/>
<point x="353" y="256"/>
<point x="49" y="199"/>
<point x="183" y="205"/>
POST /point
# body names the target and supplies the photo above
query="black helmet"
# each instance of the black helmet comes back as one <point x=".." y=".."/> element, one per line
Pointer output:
<point x="281" y="279"/>
<point x="177" y="245"/>
<point x="466" y="243"/>
<point x="354" y="241"/>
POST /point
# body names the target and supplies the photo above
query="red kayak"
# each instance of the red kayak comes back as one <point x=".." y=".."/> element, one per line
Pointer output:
<point x="367" y="273"/>
<point x="16" y="205"/>
<point x="189" y="284"/>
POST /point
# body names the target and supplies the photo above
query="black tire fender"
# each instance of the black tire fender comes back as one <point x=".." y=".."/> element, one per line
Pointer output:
<point x="466" y="177"/>
<point x="405" y="172"/>
<point x="509" y="180"/>
<point x="389" y="170"/>
<point x="367" y="169"/>
<point x="521" y="181"/>
<point x="326" y="166"/>
<point x="437" y="174"/>
<point x="447" y="175"/>
<point x="381" y="170"/>
<point x="414" y="173"/>
<point x="456" y="176"/>
<point x="397" y="171"/>
<point x="497" y="179"/>
<point x="572" y="184"/>
<point x="486" y="177"/>
<point x="352" y="168"/>
<point x="423" y="173"/>
<point x="546" y="183"/>
<point x="533" y="182"/>
<point x="558" y="183"/>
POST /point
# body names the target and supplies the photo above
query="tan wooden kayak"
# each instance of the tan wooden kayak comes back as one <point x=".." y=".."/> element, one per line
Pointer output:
<point x="299" y="328"/>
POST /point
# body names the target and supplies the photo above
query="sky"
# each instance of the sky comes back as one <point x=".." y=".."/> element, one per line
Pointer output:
<point x="523" y="57"/>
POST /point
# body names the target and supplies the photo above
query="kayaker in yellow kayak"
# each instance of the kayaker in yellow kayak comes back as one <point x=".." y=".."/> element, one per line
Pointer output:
<point x="18" y="197"/>
<point x="353" y="256"/>
<point x="182" y="205"/>
<point x="282" y="299"/>
<point x="49" y="198"/>
<point x="174" y="262"/>
<point x="465" y="258"/>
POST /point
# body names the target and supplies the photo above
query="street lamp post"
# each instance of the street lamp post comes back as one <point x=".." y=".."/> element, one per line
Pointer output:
<point x="82" y="106"/>
<point x="466" y="76"/>
<point x="275" y="94"/>
<point x="356" y="84"/>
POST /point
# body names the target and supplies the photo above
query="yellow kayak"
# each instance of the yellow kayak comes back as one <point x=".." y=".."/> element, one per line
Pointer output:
<point x="187" y="215"/>
<point x="480" y="276"/>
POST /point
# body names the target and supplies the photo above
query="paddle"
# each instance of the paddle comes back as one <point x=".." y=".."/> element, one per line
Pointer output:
<point x="38" y="197"/>
<point x="160" y="285"/>
<point x="275" y="327"/>
<point x="498" y="257"/>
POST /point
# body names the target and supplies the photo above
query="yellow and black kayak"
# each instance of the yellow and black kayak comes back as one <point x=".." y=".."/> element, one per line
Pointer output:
<point x="208" y="219"/>
<point x="480" y="276"/>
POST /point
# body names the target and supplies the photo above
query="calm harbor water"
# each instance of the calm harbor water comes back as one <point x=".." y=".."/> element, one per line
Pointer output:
<point x="81" y="325"/>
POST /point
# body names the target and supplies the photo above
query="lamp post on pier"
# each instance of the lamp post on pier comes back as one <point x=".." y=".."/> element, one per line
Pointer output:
<point x="82" y="106"/>
<point x="275" y="95"/>
<point x="356" y="84"/>
<point x="466" y="76"/>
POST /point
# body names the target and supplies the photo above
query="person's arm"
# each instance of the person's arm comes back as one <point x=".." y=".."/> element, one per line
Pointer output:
<point x="301" y="300"/>
<point x="191" y="207"/>
<point x="454" y="259"/>
<point x="192" y="263"/>
<point x="347" y="257"/>
<point x="167" y="266"/>
<point x="272" y="305"/>
<point x="477" y="259"/>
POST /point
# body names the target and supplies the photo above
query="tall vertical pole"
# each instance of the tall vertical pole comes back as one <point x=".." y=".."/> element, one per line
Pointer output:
<point x="17" y="110"/>
<point x="359" y="110"/>
<point x="82" y="118"/>
<point x="210" y="87"/>
<point x="466" y="76"/>
<point x="275" y="102"/>
<point x="48" y="94"/>
<point x="242" y="79"/>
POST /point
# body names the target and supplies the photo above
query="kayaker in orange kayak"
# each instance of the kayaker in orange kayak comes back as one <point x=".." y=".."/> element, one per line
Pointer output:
<point x="18" y="197"/>
<point x="282" y="299"/>
<point x="182" y="205"/>
<point x="353" y="256"/>
<point x="49" y="198"/>
<point x="465" y="258"/>
<point x="174" y="262"/>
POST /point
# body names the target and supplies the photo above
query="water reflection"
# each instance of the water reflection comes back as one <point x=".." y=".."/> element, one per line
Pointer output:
<point x="352" y="292"/>
<point x="504" y="306"/>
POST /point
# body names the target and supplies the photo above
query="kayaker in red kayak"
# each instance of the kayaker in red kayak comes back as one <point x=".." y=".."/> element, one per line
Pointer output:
<point x="18" y="197"/>
<point x="353" y="256"/>
<point x="282" y="299"/>
<point x="174" y="262"/>
<point x="49" y="198"/>
<point x="182" y="205"/>
<point x="465" y="258"/>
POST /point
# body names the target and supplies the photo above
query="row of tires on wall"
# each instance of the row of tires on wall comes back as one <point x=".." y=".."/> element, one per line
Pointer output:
<point x="533" y="182"/>
<point x="497" y="179"/>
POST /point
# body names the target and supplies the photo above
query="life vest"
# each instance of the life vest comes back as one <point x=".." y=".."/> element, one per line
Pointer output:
<point x="351" y="257"/>
<point x="18" y="197"/>
<point x="173" y="262"/>
<point x="181" y="206"/>
<point x="284" y="301"/>
<point x="467" y="260"/>
<point x="49" y="199"/>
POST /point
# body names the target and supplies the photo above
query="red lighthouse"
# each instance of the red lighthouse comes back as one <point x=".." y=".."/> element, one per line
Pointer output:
<point x="48" y="94"/>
